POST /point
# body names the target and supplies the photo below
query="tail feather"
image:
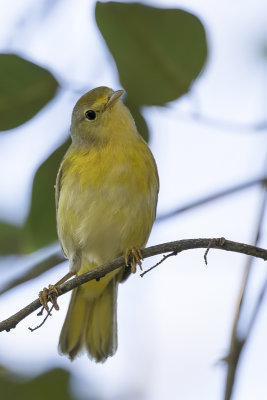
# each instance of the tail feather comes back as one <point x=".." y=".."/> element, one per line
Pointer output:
<point x="71" y="337"/>
<point x="91" y="323"/>
<point x="101" y="328"/>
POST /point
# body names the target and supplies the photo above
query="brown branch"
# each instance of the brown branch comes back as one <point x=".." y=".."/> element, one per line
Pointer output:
<point x="42" y="266"/>
<point x="237" y="344"/>
<point x="56" y="258"/>
<point x="44" y="320"/>
<point x="221" y="123"/>
<point x="212" y="197"/>
<point x="102" y="270"/>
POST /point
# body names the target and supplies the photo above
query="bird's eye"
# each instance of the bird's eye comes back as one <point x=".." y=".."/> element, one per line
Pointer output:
<point x="90" y="114"/>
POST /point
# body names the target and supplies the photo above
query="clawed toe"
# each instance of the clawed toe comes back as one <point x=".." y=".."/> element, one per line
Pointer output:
<point x="133" y="256"/>
<point x="49" y="294"/>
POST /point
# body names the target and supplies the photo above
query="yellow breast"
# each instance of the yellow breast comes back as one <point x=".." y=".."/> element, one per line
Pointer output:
<point x="107" y="200"/>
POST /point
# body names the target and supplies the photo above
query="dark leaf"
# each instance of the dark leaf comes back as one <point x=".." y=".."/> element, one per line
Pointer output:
<point x="25" y="88"/>
<point x="10" y="238"/>
<point x="40" y="227"/>
<point x="53" y="384"/>
<point x="158" y="52"/>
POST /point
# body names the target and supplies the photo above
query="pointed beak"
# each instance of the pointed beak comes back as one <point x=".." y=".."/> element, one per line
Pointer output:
<point x="114" y="97"/>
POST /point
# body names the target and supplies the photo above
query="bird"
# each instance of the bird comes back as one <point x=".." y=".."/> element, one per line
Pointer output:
<point x="106" y="198"/>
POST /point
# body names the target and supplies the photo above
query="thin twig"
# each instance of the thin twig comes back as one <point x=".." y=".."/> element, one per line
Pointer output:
<point x="102" y="270"/>
<point x="42" y="266"/>
<point x="42" y="323"/>
<point x="174" y="253"/>
<point x="237" y="344"/>
<point x="257" y="307"/>
<point x="212" y="197"/>
<point x="221" y="123"/>
<point x="220" y="242"/>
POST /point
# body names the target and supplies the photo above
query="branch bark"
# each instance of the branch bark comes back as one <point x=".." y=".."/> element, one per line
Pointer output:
<point x="99" y="272"/>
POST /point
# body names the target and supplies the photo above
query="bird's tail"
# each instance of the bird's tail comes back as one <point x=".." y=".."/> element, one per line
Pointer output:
<point x="91" y="324"/>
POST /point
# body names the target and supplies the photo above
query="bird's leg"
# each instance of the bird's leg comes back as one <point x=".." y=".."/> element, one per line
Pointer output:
<point x="133" y="256"/>
<point x="51" y="293"/>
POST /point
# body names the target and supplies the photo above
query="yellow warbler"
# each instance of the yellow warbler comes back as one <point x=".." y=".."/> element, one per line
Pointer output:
<point x="106" y="195"/>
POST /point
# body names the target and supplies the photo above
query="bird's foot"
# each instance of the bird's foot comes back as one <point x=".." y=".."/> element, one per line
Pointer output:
<point x="133" y="256"/>
<point x="49" y="294"/>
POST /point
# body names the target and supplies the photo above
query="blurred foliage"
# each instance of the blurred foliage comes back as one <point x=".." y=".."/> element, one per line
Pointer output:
<point x="158" y="52"/>
<point x="25" y="88"/>
<point x="10" y="238"/>
<point x="53" y="384"/>
<point x="40" y="228"/>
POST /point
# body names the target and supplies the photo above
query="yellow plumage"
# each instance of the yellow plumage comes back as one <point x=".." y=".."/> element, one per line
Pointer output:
<point x="106" y="195"/>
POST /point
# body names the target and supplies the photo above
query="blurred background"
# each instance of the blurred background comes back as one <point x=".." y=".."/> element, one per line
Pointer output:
<point x="195" y="76"/>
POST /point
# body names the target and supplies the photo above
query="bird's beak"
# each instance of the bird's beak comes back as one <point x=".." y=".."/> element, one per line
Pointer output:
<point x="114" y="97"/>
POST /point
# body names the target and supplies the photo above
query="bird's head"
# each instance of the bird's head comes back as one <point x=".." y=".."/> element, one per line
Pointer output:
<point x="98" y="115"/>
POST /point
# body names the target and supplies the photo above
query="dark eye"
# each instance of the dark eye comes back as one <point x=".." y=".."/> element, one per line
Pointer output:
<point x="90" y="114"/>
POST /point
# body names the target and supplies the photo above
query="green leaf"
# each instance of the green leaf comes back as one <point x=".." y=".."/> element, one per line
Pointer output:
<point x="40" y="228"/>
<point x="25" y="88"/>
<point x="53" y="384"/>
<point x="158" y="52"/>
<point x="10" y="238"/>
